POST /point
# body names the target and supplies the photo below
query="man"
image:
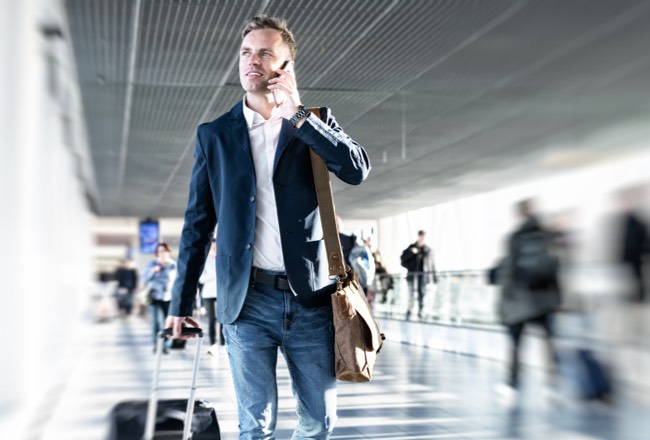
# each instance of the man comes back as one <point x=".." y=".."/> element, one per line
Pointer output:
<point x="252" y="175"/>
<point x="530" y="291"/>
<point x="417" y="258"/>
<point x="127" y="281"/>
<point x="383" y="280"/>
<point x="634" y="238"/>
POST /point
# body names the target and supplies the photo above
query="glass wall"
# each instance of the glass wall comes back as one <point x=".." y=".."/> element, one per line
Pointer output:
<point x="467" y="237"/>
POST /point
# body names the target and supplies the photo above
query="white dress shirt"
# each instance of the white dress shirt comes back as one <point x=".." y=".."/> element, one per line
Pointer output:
<point x="263" y="135"/>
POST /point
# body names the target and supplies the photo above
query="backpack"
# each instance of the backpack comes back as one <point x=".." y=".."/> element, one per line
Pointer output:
<point x="406" y="259"/>
<point x="534" y="264"/>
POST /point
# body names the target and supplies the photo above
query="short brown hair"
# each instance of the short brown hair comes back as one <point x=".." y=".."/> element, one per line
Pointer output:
<point x="265" y="22"/>
<point x="163" y="245"/>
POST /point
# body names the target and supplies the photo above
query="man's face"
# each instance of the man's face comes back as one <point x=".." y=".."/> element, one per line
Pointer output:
<point x="262" y="52"/>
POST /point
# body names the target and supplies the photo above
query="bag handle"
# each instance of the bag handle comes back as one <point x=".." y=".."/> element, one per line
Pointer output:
<point x="325" y="198"/>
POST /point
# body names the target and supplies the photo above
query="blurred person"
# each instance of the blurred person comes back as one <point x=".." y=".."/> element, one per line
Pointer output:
<point x="208" y="279"/>
<point x="634" y="240"/>
<point x="348" y="241"/>
<point x="383" y="281"/>
<point x="363" y="263"/>
<point x="417" y="258"/>
<point x="127" y="282"/>
<point x="252" y="175"/>
<point x="159" y="276"/>
<point x="530" y="286"/>
<point x="105" y="310"/>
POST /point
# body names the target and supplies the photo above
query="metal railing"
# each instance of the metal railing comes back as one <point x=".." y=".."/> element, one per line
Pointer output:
<point x="459" y="297"/>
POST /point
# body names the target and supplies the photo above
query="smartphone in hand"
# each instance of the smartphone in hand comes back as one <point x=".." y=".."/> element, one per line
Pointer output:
<point x="275" y="100"/>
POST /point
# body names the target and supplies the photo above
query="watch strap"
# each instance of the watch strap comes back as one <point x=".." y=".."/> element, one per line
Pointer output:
<point x="301" y="113"/>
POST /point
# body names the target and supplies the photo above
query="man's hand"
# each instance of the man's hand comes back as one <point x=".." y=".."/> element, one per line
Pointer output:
<point x="286" y="83"/>
<point x="177" y="323"/>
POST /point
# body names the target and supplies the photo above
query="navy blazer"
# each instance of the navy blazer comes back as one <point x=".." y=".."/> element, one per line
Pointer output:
<point x="223" y="191"/>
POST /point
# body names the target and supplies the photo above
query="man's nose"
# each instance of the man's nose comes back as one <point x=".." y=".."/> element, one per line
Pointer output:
<point x="253" y="60"/>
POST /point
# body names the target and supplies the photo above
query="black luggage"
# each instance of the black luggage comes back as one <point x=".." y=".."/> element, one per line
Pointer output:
<point x="594" y="382"/>
<point x="178" y="344"/>
<point x="590" y="377"/>
<point x="174" y="419"/>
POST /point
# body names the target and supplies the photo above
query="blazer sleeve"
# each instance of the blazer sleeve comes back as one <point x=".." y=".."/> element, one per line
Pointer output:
<point x="171" y="278"/>
<point x="344" y="157"/>
<point x="200" y="221"/>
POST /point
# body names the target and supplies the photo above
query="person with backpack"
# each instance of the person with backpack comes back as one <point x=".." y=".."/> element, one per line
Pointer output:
<point x="127" y="282"/>
<point x="417" y="259"/>
<point x="530" y="288"/>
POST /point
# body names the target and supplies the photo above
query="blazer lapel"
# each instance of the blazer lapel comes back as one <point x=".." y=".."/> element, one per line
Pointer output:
<point x="239" y="129"/>
<point x="287" y="132"/>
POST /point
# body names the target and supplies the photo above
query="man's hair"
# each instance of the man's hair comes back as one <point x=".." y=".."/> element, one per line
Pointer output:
<point x="163" y="245"/>
<point x="421" y="232"/>
<point x="265" y="22"/>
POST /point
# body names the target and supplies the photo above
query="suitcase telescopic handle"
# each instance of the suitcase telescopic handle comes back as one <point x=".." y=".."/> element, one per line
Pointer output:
<point x="150" y="423"/>
<point x="187" y="331"/>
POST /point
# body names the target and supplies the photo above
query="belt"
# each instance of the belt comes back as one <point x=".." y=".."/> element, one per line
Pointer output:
<point x="279" y="282"/>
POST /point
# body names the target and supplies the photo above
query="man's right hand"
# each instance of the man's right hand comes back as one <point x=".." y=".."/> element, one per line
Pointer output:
<point x="177" y="323"/>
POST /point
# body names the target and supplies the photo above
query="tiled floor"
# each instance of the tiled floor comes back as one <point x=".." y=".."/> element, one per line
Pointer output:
<point x="418" y="393"/>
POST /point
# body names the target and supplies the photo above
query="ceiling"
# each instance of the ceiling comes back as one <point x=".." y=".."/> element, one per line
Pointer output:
<point x="449" y="97"/>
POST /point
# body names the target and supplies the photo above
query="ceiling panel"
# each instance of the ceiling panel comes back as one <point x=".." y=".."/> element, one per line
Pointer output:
<point x="447" y="96"/>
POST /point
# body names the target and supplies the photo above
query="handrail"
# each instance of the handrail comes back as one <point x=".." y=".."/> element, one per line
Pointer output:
<point x="459" y="296"/>
<point x="465" y="296"/>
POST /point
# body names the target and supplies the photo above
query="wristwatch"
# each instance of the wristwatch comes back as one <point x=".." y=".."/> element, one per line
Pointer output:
<point x="301" y="113"/>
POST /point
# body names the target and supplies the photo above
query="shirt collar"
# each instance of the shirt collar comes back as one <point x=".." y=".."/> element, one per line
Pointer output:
<point x="253" y="119"/>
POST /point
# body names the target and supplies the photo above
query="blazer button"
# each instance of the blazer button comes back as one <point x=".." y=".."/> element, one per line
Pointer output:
<point x="248" y="246"/>
<point x="252" y="199"/>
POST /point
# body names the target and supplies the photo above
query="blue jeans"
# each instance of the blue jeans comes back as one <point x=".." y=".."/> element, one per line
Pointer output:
<point x="158" y="313"/>
<point x="272" y="319"/>
<point x="411" y="279"/>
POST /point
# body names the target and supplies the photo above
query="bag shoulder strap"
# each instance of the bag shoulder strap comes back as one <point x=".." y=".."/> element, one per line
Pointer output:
<point x="335" y="262"/>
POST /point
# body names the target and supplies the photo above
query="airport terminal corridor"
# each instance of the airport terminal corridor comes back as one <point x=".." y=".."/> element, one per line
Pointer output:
<point x="466" y="123"/>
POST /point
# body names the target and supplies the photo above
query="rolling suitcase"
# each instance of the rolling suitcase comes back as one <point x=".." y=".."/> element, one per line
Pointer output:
<point x="587" y="375"/>
<point x="594" y="382"/>
<point x="166" y="419"/>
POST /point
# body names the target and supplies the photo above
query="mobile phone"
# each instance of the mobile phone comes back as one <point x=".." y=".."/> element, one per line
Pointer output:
<point x="283" y="66"/>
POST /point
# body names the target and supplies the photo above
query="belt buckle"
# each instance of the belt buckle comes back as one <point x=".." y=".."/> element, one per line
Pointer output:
<point x="276" y="282"/>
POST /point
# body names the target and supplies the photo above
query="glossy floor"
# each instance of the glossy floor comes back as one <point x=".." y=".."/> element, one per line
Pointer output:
<point x="418" y="393"/>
